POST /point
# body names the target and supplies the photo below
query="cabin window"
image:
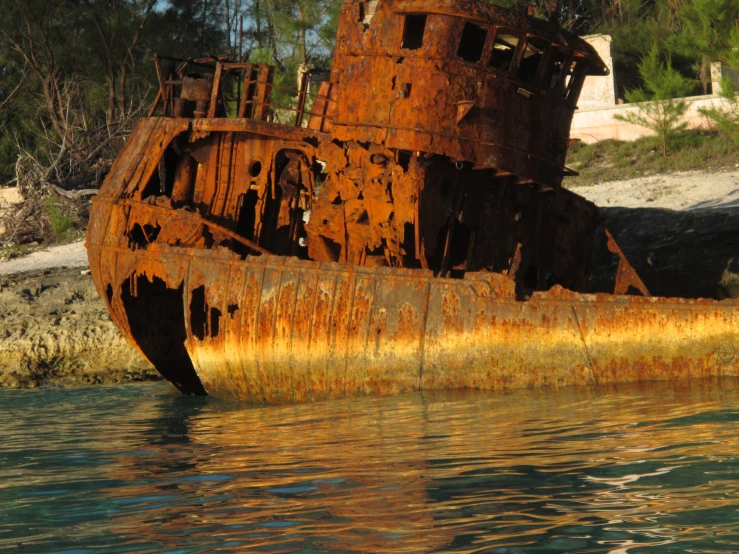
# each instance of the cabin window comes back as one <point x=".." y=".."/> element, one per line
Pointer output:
<point x="472" y="43"/>
<point x="555" y="68"/>
<point x="531" y="59"/>
<point x="415" y="26"/>
<point x="504" y="50"/>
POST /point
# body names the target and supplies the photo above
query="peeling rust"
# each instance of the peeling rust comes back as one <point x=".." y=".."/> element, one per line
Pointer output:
<point x="402" y="228"/>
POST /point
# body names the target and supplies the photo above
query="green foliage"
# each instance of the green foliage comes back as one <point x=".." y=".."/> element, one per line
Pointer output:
<point x="60" y="221"/>
<point x="724" y="48"/>
<point x="706" y="28"/>
<point x="660" y="105"/>
<point x="610" y="160"/>
<point x="726" y="117"/>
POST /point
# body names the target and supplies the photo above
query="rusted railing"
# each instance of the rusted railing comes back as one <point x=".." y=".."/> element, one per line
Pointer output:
<point x="183" y="93"/>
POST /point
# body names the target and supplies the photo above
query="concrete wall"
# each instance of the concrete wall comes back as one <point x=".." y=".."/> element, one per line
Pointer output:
<point x="594" y="121"/>
<point x="600" y="92"/>
<point x="598" y="124"/>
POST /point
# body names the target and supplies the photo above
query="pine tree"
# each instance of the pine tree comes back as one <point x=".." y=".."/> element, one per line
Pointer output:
<point x="660" y="104"/>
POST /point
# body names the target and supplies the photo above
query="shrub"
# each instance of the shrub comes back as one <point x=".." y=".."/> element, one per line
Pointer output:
<point x="59" y="220"/>
<point x="660" y="106"/>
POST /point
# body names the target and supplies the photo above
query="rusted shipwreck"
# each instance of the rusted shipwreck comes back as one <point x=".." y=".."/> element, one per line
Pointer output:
<point x="404" y="228"/>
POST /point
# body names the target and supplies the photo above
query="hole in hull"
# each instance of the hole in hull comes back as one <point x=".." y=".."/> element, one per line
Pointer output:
<point x="156" y="317"/>
<point x="204" y="320"/>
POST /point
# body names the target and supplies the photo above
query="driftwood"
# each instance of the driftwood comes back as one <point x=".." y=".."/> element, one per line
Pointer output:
<point x="48" y="208"/>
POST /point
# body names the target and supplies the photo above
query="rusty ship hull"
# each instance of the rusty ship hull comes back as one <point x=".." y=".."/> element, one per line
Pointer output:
<point x="281" y="330"/>
<point x="402" y="229"/>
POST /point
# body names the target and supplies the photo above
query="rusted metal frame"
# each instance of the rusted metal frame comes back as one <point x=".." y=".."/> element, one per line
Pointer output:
<point x="324" y="110"/>
<point x="484" y="13"/>
<point x="155" y="105"/>
<point x="486" y="49"/>
<point x="248" y="80"/>
<point x="304" y="84"/>
<point x="263" y="91"/>
<point x="216" y="91"/>
<point x="162" y="86"/>
<point x="211" y="58"/>
<point x="225" y="156"/>
<point x="544" y="64"/>
<point x="560" y="88"/>
<point x="626" y="276"/>
<point x="200" y="219"/>
<point x="455" y="138"/>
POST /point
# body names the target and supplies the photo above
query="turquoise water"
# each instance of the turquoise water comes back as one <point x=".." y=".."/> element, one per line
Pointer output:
<point x="138" y="468"/>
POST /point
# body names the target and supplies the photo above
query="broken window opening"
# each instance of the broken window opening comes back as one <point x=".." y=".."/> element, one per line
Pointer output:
<point x="152" y="188"/>
<point x="404" y="159"/>
<point x="410" y="256"/>
<point x="143" y="235"/>
<point x="413" y="31"/>
<point x="503" y="51"/>
<point x="472" y="43"/>
<point x="532" y="56"/>
<point x="247" y="214"/>
<point x="162" y="181"/>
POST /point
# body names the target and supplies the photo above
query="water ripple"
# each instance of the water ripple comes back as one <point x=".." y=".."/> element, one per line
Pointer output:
<point x="141" y="469"/>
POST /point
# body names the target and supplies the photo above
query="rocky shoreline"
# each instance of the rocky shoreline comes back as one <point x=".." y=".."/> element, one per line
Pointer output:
<point x="56" y="331"/>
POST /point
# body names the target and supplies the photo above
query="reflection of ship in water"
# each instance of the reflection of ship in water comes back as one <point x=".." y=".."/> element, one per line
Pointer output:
<point x="408" y="232"/>
<point x="437" y="471"/>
